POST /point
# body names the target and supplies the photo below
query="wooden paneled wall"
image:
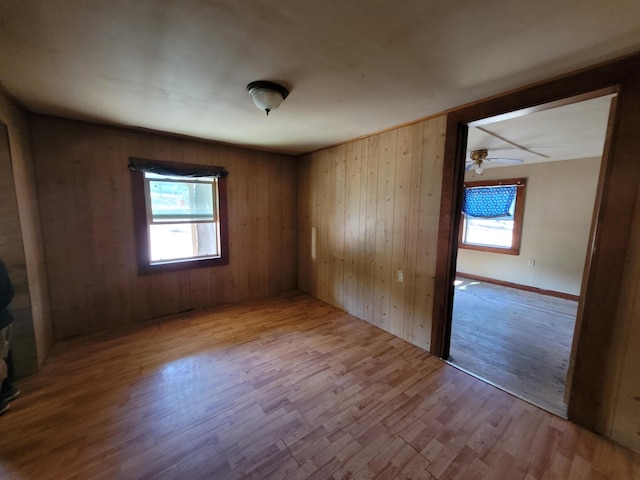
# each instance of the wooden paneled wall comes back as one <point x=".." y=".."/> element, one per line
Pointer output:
<point x="21" y="242"/>
<point x="372" y="206"/>
<point x="87" y="218"/>
<point x="624" y="373"/>
<point x="622" y="367"/>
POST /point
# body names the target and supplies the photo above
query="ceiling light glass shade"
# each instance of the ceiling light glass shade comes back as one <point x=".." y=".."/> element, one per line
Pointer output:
<point x="479" y="169"/>
<point x="266" y="99"/>
<point x="267" y="95"/>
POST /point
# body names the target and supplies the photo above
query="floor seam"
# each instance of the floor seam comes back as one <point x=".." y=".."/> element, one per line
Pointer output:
<point x="419" y="453"/>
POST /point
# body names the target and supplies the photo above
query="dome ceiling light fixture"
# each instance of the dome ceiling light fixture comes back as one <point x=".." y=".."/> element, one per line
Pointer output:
<point x="267" y="95"/>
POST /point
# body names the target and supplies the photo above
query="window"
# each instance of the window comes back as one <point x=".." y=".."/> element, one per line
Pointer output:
<point x="180" y="215"/>
<point x="492" y="214"/>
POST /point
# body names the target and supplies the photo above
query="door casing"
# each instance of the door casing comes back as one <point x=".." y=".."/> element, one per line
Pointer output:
<point x="589" y="400"/>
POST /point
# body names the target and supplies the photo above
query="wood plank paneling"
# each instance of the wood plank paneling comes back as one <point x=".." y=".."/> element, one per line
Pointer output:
<point x="369" y="272"/>
<point x="374" y="204"/>
<point x="622" y="377"/>
<point x="338" y="228"/>
<point x="431" y="187"/>
<point x="384" y="229"/>
<point x="12" y="255"/>
<point x="87" y="218"/>
<point x="21" y="246"/>
<point x="402" y="198"/>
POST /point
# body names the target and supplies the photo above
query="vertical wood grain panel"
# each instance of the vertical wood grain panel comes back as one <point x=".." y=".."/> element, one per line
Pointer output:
<point x="620" y="416"/>
<point x="339" y="227"/>
<point x="129" y="275"/>
<point x="259" y="226"/>
<point x="323" y="218"/>
<point x="401" y="210"/>
<point x="351" y="212"/>
<point x="431" y="184"/>
<point x="371" y="219"/>
<point x="64" y="253"/>
<point x="239" y="219"/>
<point x="316" y="212"/>
<point x="304" y="202"/>
<point x="329" y="240"/>
<point x="26" y="255"/>
<point x="111" y="291"/>
<point x="274" y="225"/>
<point x="87" y="219"/>
<point x="354" y="195"/>
<point x="625" y="404"/>
<point x="381" y="208"/>
<point x="384" y="229"/>
<point x="283" y="249"/>
<point x="13" y="256"/>
<point x="360" y="155"/>
<point x="412" y="230"/>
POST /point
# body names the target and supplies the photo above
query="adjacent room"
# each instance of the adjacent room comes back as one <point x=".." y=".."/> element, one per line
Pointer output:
<point x="240" y="242"/>
<point x="521" y="255"/>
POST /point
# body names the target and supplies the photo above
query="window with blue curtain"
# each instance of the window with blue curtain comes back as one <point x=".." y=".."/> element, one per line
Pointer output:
<point x="492" y="215"/>
<point x="489" y="202"/>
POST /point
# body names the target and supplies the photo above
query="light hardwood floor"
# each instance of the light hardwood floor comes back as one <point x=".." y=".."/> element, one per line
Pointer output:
<point x="518" y="340"/>
<point x="284" y="388"/>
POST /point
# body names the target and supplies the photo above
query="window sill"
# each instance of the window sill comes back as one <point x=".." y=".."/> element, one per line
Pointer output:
<point x="173" y="266"/>
<point x="485" y="248"/>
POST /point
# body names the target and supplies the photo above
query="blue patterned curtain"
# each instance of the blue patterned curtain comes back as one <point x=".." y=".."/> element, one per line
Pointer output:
<point x="488" y="202"/>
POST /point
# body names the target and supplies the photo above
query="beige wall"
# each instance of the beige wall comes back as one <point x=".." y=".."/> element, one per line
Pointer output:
<point x="87" y="221"/>
<point x="21" y="242"/>
<point x="557" y="221"/>
<point x="373" y="205"/>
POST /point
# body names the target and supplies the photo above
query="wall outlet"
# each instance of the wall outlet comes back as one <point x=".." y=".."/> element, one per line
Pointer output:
<point x="532" y="262"/>
<point x="400" y="276"/>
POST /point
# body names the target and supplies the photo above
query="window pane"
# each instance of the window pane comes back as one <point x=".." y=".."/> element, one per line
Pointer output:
<point x="181" y="201"/>
<point x="183" y="240"/>
<point x="489" y="231"/>
<point x="180" y="217"/>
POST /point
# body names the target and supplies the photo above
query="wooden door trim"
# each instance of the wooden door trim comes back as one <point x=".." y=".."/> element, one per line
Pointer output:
<point x="612" y="220"/>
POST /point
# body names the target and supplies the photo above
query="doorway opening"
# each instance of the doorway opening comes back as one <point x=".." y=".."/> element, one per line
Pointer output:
<point x="520" y="266"/>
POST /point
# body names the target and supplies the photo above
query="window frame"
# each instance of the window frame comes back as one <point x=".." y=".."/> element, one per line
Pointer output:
<point x="518" y="216"/>
<point x="142" y="214"/>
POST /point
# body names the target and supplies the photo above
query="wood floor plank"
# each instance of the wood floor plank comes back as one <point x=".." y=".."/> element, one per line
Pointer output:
<point x="280" y="388"/>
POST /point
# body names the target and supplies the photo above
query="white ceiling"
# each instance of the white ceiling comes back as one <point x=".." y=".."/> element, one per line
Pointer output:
<point x="573" y="131"/>
<point x="354" y="67"/>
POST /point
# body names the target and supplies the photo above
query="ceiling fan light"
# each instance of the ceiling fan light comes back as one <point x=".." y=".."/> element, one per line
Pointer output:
<point x="267" y="96"/>
<point x="479" y="169"/>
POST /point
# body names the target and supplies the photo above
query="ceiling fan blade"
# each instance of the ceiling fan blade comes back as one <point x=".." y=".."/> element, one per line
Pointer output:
<point x="479" y="159"/>
<point x="505" y="161"/>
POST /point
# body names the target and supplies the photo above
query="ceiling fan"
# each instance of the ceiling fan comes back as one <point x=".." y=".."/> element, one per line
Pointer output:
<point x="477" y="159"/>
